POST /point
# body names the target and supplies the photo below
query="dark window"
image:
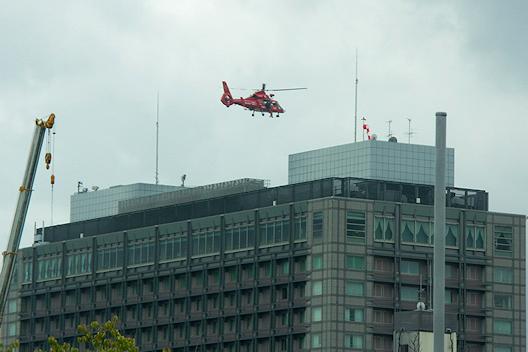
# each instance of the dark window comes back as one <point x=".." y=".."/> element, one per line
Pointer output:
<point x="141" y="252"/>
<point x="299" y="229"/>
<point x="384" y="229"/>
<point x="274" y="232"/>
<point x="355" y="262"/>
<point x="451" y="239"/>
<point x="317" y="225"/>
<point x="172" y="247"/>
<point x="503" y="240"/>
<point x="475" y="237"/>
<point x="409" y="267"/>
<point x="109" y="257"/>
<point x="502" y="301"/>
<point x="503" y="275"/>
<point x="355" y="225"/>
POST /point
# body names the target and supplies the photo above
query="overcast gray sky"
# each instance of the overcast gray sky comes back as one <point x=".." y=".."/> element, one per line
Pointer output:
<point x="98" y="66"/>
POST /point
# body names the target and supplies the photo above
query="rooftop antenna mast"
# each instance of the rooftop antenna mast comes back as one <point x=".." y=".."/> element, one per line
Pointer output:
<point x="157" y="139"/>
<point x="410" y="133"/>
<point x="355" y="99"/>
<point x="390" y="131"/>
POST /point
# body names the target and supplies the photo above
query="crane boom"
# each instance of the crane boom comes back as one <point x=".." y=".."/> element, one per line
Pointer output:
<point x="19" y="218"/>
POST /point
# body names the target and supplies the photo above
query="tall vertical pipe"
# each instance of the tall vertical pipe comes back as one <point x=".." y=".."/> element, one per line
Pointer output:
<point x="439" y="232"/>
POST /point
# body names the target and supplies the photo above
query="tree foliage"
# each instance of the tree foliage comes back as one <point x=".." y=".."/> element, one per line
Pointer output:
<point x="12" y="347"/>
<point x="97" y="337"/>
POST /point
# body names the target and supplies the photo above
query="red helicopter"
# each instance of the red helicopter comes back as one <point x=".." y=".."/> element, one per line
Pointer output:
<point x="258" y="101"/>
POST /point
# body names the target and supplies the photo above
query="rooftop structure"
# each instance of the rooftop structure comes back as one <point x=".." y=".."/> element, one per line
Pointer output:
<point x="332" y="187"/>
<point x="97" y="203"/>
<point x="372" y="159"/>
<point x="186" y="195"/>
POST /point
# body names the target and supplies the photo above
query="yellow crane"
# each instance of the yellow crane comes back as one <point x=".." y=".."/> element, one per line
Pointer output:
<point x="24" y="197"/>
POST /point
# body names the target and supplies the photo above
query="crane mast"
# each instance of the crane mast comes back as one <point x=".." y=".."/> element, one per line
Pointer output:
<point x="24" y="197"/>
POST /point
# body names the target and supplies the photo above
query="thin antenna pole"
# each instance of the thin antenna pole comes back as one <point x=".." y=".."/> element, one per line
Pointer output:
<point x="410" y="133"/>
<point x="390" y="132"/>
<point x="409" y="130"/>
<point x="157" y="139"/>
<point x="355" y="99"/>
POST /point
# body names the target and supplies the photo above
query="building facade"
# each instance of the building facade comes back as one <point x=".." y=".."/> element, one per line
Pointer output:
<point x="315" y="266"/>
<point x="373" y="159"/>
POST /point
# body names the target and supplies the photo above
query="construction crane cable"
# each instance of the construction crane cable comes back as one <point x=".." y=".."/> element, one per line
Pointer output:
<point x="52" y="178"/>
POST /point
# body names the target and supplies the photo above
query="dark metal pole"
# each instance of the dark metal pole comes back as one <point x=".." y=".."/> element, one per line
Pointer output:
<point x="439" y="235"/>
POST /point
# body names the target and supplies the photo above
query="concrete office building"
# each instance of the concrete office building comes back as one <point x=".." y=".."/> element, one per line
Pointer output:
<point x="322" y="265"/>
<point x="373" y="159"/>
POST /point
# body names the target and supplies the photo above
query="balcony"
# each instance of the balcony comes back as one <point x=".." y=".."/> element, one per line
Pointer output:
<point x="246" y="335"/>
<point x="283" y="330"/>
<point x="230" y="310"/>
<point x="164" y="295"/>
<point x="474" y="310"/>
<point x="381" y="328"/>
<point x="475" y="285"/>
<point x="163" y="320"/>
<point x="410" y="279"/>
<point x="382" y="302"/>
<point x="282" y="279"/>
<point x="299" y="302"/>
<point x="247" y="309"/>
<point x="380" y="276"/>
<point x="475" y="336"/>
<point x="282" y="304"/>
<point x="300" y="328"/>
<point x="300" y="276"/>
<point x="230" y="336"/>
<point x="231" y="285"/>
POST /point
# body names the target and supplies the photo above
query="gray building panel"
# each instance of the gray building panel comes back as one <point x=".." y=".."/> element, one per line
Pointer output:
<point x="373" y="159"/>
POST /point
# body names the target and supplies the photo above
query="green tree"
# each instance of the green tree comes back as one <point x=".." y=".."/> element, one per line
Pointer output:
<point x="97" y="337"/>
<point x="12" y="347"/>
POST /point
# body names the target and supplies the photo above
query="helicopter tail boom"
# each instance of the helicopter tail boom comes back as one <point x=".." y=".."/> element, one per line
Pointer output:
<point x="227" y="98"/>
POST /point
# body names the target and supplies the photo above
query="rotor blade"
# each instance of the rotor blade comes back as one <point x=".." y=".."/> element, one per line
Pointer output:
<point x="283" y="89"/>
<point x="242" y="88"/>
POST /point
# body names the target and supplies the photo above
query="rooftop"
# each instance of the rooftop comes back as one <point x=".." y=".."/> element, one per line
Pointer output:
<point x="348" y="187"/>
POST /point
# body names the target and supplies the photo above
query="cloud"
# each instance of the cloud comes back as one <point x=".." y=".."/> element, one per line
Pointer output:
<point x="98" y="66"/>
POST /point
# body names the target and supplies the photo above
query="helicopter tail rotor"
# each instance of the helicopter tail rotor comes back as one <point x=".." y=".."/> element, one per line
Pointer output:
<point x="227" y="98"/>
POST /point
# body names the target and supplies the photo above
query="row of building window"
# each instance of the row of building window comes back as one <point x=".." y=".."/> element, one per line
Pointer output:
<point x="171" y="247"/>
<point x="503" y="275"/>
<point x="351" y="341"/>
<point x="357" y="315"/>
<point x="419" y="232"/>
<point x="81" y="263"/>
<point x="413" y="294"/>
